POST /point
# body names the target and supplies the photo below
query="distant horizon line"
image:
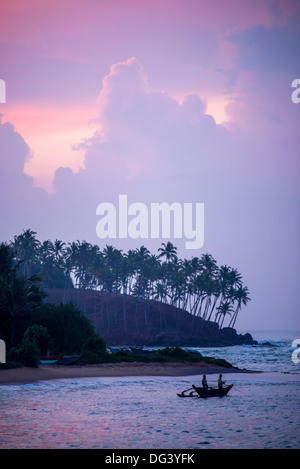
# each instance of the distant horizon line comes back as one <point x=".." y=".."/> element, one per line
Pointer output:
<point x="251" y="331"/>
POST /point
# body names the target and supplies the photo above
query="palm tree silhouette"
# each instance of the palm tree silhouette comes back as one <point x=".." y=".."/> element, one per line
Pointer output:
<point x="19" y="294"/>
<point x="196" y="285"/>
<point x="222" y="310"/>
<point x="241" y="296"/>
<point x="26" y="248"/>
<point x="169" y="251"/>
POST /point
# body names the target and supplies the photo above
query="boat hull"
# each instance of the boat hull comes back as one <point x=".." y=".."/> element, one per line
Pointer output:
<point x="69" y="360"/>
<point x="50" y="360"/>
<point x="211" y="392"/>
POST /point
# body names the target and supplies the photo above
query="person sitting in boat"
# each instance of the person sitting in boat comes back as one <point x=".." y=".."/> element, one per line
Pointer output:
<point x="220" y="381"/>
<point x="204" y="382"/>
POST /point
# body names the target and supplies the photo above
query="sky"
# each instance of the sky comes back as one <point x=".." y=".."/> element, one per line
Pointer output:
<point x="182" y="101"/>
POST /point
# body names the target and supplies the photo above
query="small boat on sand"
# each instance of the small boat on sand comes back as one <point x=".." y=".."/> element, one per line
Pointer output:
<point x="65" y="360"/>
<point x="120" y="350"/>
<point x="50" y="360"/>
<point x="140" y="351"/>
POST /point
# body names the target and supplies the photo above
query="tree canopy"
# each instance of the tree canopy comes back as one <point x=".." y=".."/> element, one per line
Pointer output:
<point x="197" y="285"/>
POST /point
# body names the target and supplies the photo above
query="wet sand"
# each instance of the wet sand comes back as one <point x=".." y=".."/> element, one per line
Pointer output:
<point x="26" y="375"/>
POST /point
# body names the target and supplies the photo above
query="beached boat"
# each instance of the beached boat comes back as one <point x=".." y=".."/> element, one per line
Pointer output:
<point x="195" y="352"/>
<point x="50" y="360"/>
<point x="210" y="392"/>
<point x="114" y="350"/>
<point x="120" y="350"/>
<point x="68" y="360"/>
<point x="140" y="351"/>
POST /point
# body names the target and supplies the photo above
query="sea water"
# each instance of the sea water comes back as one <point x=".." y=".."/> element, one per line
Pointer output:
<point x="261" y="411"/>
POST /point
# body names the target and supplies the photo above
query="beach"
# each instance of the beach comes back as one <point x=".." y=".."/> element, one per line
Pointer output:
<point x="25" y="375"/>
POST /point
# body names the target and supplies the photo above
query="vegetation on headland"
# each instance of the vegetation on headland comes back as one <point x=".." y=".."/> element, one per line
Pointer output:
<point x="90" y="356"/>
<point x="30" y="327"/>
<point x="165" y="355"/>
<point x="198" y="285"/>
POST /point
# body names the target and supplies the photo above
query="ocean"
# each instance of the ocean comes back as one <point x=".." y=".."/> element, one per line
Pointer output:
<point x="262" y="410"/>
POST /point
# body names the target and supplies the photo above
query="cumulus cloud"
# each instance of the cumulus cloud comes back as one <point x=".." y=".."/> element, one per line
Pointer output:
<point x="20" y="202"/>
<point x="266" y="62"/>
<point x="155" y="148"/>
<point x="149" y="146"/>
<point x="14" y="153"/>
<point x="145" y="133"/>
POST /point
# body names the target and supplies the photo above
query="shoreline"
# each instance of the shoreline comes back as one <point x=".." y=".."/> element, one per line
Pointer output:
<point x="27" y="375"/>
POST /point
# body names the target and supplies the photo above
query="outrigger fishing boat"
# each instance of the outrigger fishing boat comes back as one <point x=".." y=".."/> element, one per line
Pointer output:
<point x="195" y="391"/>
<point x="59" y="359"/>
<point x="69" y="360"/>
<point x="210" y="392"/>
<point x="50" y="360"/>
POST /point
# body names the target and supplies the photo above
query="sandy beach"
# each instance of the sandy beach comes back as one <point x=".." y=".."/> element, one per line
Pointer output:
<point x="45" y="372"/>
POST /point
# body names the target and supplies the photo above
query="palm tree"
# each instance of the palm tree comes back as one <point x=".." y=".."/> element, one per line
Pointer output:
<point x="208" y="264"/>
<point x="19" y="295"/>
<point x="152" y="269"/>
<point x="113" y="265"/>
<point x="197" y="285"/>
<point x="94" y="260"/>
<point x="160" y="293"/>
<point x="169" y="251"/>
<point x="26" y="248"/>
<point x="46" y="261"/>
<point x="241" y="296"/>
<point x="124" y="279"/>
<point x="224" y="282"/>
<point x="235" y="278"/>
<point x="224" y="309"/>
<point x="58" y="250"/>
<point x="216" y="292"/>
<point x="198" y="289"/>
<point x="71" y="256"/>
<point x="209" y="293"/>
<point x="7" y="259"/>
<point x="176" y="282"/>
<point x="133" y="266"/>
<point x="45" y="251"/>
<point x="142" y="253"/>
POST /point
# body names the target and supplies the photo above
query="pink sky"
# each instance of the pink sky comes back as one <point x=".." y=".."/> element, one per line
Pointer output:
<point x="172" y="100"/>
